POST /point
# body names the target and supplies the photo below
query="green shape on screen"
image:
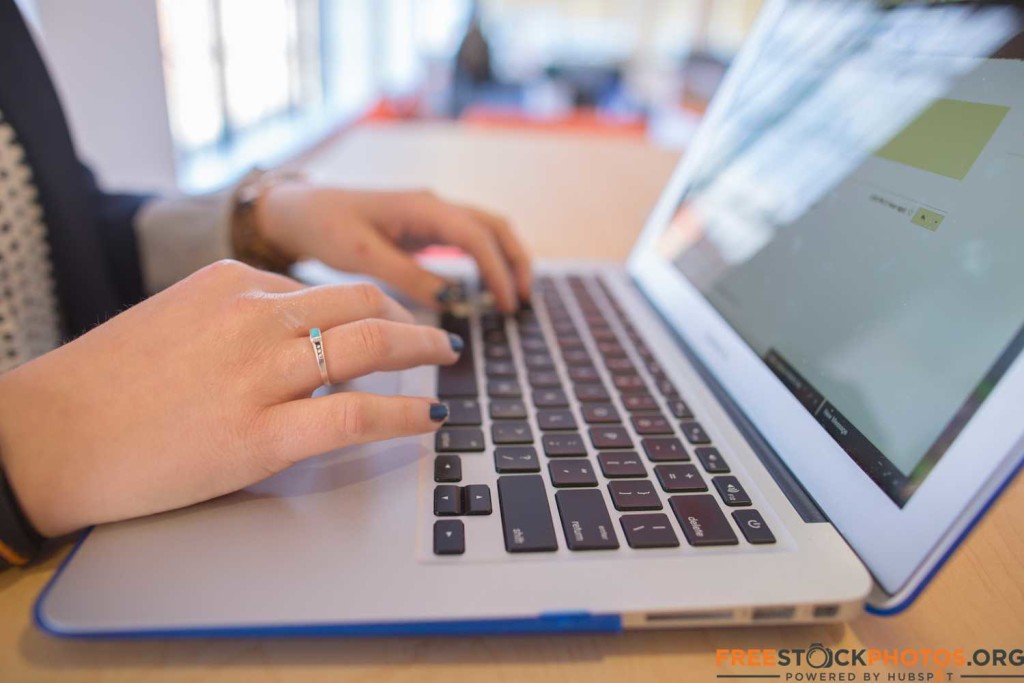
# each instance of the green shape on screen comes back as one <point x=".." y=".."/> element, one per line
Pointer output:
<point x="946" y="138"/>
<point x="927" y="219"/>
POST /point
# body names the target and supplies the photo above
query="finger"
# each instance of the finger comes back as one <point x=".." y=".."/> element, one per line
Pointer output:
<point x="459" y="228"/>
<point x="310" y="426"/>
<point x="384" y="261"/>
<point x="327" y="306"/>
<point x="513" y="248"/>
<point x="367" y="346"/>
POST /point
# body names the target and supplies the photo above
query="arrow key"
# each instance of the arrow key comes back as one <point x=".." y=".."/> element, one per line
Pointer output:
<point x="447" y="501"/>
<point x="449" y="537"/>
<point x="476" y="499"/>
<point x="447" y="468"/>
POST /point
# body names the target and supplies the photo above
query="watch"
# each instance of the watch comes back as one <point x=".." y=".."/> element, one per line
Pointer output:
<point x="247" y="243"/>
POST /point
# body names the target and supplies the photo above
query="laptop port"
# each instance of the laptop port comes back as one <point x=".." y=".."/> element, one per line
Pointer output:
<point x="773" y="613"/>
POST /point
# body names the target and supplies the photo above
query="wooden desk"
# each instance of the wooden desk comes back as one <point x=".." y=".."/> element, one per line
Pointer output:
<point x="571" y="198"/>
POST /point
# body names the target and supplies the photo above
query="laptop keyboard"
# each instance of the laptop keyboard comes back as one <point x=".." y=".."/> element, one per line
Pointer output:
<point x="547" y="400"/>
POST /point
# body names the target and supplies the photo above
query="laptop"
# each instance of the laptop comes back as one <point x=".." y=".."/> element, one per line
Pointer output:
<point x="794" y="400"/>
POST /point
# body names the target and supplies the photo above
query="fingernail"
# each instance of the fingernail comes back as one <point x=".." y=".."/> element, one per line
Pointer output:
<point x="456" y="342"/>
<point x="438" y="412"/>
<point x="451" y="293"/>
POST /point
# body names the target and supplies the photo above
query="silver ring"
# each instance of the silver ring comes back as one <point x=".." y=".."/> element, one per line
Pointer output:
<point x="317" y="340"/>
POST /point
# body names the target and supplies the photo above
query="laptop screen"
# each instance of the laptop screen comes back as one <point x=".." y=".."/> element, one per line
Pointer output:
<point x="858" y="218"/>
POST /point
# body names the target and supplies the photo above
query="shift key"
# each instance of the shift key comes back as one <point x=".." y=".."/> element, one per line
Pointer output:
<point x="526" y="514"/>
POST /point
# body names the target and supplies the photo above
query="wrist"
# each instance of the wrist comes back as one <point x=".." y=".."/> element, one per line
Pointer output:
<point x="257" y="235"/>
<point x="19" y="538"/>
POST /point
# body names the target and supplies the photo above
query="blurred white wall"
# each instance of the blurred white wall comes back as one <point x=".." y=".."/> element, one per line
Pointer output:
<point x="105" y="58"/>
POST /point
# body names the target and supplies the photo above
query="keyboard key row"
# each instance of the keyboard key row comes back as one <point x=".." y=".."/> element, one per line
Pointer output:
<point x="451" y="500"/>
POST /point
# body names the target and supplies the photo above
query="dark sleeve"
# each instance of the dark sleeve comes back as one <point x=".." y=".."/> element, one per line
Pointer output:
<point x="116" y="224"/>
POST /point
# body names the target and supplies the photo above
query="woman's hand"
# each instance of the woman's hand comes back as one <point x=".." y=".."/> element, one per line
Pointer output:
<point x="374" y="233"/>
<point x="204" y="389"/>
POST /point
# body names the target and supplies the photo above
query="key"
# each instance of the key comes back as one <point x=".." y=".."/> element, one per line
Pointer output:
<point x="680" y="409"/>
<point x="500" y="369"/>
<point x="492" y="320"/>
<point x="712" y="460"/>
<point x="634" y="495"/>
<point x="449" y="537"/>
<point x="495" y="336"/>
<point x="569" y="473"/>
<point x="458" y="379"/>
<point x="629" y="384"/>
<point x="610" y="437"/>
<point x="544" y="379"/>
<point x="611" y="349"/>
<point x="508" y="409"/>
<point x="753" y="527"/>
<point x="503" y="388"/>
<point x="535" y="345"/>
<point x="447" y="500"/>
<point x="667" y="389"/>
<point x="585" y="520"/>
<point x="525" y="514"/>
<point x="511" y="432"/>
<point x="680" y="478"/>
<point x="651" y="424"/>
<point x="516" y="459"/>
<point x="584" y="373"/>
<point x="563" y="445"/>
<point x="651" y="530"/>
<point x="500" y="351"/>
<point x="664" y="449"/>
<point x="476" y="499"/>
<point x="621" y="465"/>
<point x="447" y="468"/>
<point x="539" y="361"/>
<point x="463" y="412"/>
<point x="576" y="358"/>
<point x="731" y="492"/>
<point x="588" y="393"/>
<point x="620" y="366"/>
<point x="638" y="402"/>
<point x="455" y="440"/>
<point x="702" y="521"/>
<point x="554" y="420"/>
<point x="599" y="413"/>
<point x="550" y="398"/>
<point x="694" y="433"/>
<point x="570" y="342"/>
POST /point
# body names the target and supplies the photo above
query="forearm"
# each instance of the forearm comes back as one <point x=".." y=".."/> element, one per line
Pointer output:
<point x="177" y="236"/>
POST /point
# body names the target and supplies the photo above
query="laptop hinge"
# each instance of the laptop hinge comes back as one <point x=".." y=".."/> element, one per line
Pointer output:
<point x="801" y="500"/>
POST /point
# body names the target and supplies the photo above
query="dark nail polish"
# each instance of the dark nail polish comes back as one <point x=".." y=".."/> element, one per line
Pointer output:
<point x="451" y="293"/>
<point x="456" y="342"/>
<point x="438" y="412"/>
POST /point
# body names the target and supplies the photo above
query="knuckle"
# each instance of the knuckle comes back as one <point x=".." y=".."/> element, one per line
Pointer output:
<point x="354" y="420"/>
<point x="226" y="269"/>
<point x="372" y="297"/>
<point x="375" y="339"/>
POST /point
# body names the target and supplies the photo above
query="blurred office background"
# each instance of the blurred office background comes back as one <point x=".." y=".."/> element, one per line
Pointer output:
<point x="187" y="94"/>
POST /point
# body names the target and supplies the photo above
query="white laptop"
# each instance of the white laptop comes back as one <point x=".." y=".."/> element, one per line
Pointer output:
<point x="796" y="398"/>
